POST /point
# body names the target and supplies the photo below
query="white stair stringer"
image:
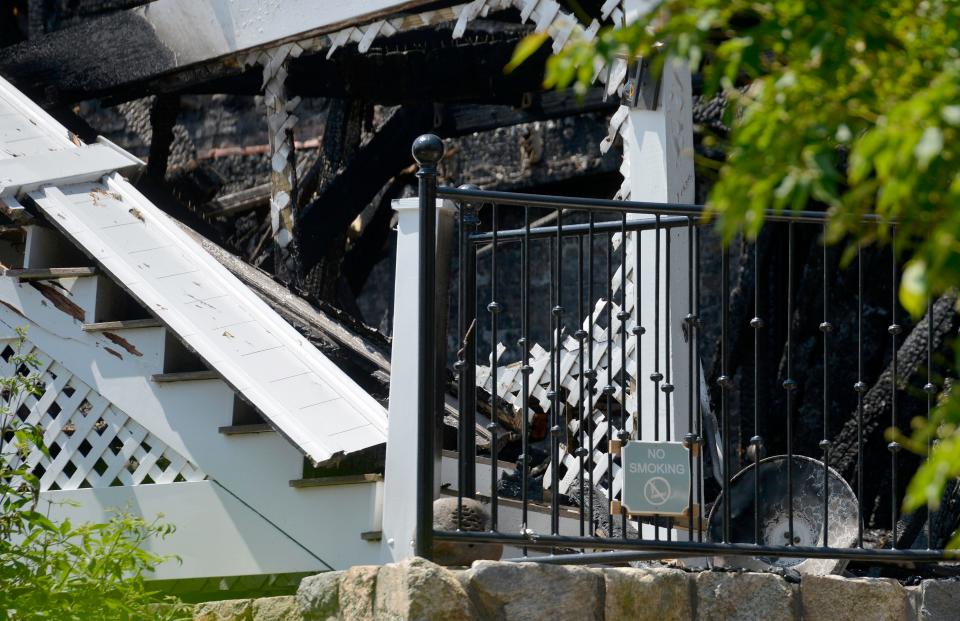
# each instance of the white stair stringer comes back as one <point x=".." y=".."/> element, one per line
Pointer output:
<point x="186" y="416"/>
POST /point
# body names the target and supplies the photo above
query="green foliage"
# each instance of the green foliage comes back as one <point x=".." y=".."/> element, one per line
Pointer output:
<point x="57" y="570"/>
<point x="852" y="104"/>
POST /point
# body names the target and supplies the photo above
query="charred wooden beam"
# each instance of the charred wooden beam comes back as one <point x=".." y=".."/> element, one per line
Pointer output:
<point x="369" y="248"/>
<point x="163" y="116"/>
<point x="331" y="212"/>
<point x="341" y="141"/>
<point x="450" y="120"/>
<point x="462" y="119"/>
<point x="532" y="155"/>
<point x="120" y="56"/>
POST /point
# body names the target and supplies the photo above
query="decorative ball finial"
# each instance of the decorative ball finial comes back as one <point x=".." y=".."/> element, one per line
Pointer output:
<point x="428" y="150"/>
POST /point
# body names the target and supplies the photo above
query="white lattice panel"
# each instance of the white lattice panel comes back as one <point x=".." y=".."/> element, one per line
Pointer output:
<point x="92" y="443"/>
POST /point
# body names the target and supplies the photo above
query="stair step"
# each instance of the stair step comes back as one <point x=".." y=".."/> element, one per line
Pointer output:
<point x="350" y="479"/>
<point x="126" y="324"/>
<point x="237" y="430"/>
<point x="50" y="273"/>
<point x="185" y="376"/>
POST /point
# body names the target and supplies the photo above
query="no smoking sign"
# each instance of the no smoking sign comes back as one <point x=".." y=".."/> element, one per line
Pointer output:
<point x="656" y="478"/>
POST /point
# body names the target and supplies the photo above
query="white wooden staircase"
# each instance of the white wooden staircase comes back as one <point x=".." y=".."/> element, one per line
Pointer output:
<point x="138" y="422"/>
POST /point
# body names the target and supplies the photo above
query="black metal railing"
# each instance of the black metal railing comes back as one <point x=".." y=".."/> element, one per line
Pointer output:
<point x="574" y="307"/>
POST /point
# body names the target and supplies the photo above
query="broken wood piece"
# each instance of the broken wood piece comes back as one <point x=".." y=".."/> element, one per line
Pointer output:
<point x="126" y="324"/>
<point x="184" y="376"/>
<point x="350" y="479"/>
<point x="240" y="202"/>
<point x="50" y="273"/>
<point x="238" y="430"/>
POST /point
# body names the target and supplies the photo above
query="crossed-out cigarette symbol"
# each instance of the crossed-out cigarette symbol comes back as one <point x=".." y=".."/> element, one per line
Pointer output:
<point x="657" y="491"/>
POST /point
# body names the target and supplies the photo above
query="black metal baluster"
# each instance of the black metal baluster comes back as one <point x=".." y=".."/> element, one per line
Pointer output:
<point x="699" y="418"/>
<point x="551" y="396"/>
<point x="525" y="373"/>
<point x="555" y="428"/>
<point x="494" y="309"/>
<point x="826" y="327"/>
<point x="623" y="316"/>
<point x="756" y="441"/>
<point x="638" y="331"/>
<point x="460" y="364"/>
<point x="690" y="321"/>
<point x="789" y="384"/>
<point x="931" y="390"/>
<point x="667" y="386"/>
<point x="894" y="330"/>
<point x="468" y="398"/>
<point x="860" y="387"/>
<point x="609" y="390"/>
<point x="656" y="376"/>
<point x="580" y="335"/>
<point x="591" y="372"/>
<point x="724" y="382"/>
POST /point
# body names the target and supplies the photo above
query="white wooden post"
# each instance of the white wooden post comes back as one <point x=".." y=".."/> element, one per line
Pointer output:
<point x="400" y="476"/>
<point x="659" y="145"/>
<point x="658" y="153"/>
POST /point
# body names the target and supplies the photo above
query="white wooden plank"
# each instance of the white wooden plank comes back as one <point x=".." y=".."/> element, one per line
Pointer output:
<point x="30" y="171"/>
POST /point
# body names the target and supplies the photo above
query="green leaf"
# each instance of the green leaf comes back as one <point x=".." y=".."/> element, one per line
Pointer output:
<point x="525" y="49"/>
<point x="914" y="288"/>
<point x="929" y="147"/>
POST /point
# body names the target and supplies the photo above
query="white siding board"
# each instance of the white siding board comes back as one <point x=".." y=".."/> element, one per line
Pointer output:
<point x="216" y="535"/>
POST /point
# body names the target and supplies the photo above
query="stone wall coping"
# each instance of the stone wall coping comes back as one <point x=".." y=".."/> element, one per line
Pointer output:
<point x="419" y="590"/>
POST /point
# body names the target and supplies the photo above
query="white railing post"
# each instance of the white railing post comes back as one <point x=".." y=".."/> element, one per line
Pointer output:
<point x="658" y="153"/>
<point x="400" y="476"/>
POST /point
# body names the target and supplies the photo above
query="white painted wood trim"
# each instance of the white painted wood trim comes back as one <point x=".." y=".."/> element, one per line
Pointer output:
<point x="20" y="175"/>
